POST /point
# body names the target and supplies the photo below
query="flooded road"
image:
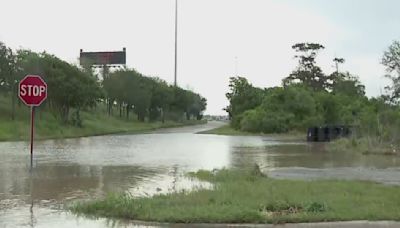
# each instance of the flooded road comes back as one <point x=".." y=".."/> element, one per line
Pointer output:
<point x="84" y="168"/>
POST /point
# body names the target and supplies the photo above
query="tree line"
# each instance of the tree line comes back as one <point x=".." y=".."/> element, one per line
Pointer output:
<point x="150" y="97"/>
<point x="73" y="88"/>
<point x="308" y="97"/>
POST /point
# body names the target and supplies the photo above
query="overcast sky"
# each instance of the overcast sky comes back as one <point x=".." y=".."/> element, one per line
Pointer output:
<point x="212" y="33"/>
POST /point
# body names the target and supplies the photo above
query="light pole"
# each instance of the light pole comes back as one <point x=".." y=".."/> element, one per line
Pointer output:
<point x="176" y="41"/>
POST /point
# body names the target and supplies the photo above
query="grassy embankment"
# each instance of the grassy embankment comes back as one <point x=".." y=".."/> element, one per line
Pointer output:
<point x="364" y="145"/>
<point x="250" y="197"/>
<point x="47" y="125"/>
<point x="228" y="130"/>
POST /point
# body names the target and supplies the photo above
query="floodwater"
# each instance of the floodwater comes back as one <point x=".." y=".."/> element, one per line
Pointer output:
<point x="85" y="168"/>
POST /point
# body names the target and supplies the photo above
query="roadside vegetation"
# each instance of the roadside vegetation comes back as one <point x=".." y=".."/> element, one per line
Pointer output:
<point x="269" y="201"/>
<point x="48" y="126"/>
<point x="229" y="130"/>
<point x="364" y="145"/>
<point x="309" y="97"/>
<point x="80" y="104"/>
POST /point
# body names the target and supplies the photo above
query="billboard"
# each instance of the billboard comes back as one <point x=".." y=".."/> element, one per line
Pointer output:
<point x="103" y="58"/>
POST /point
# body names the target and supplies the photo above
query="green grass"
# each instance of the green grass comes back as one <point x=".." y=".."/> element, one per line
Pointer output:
<point x="243" y="196"/>
<point x="228" y="130"/>
<point x="47" y="125"/>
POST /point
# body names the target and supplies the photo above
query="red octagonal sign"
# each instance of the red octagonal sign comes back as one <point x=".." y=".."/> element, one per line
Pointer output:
<point x="32" y="90"/>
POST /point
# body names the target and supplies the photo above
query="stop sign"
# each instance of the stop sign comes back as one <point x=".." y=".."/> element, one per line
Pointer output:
<point x="32" y="90"/>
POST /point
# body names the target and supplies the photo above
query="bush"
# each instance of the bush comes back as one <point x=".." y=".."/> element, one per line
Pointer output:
<point x="235" y="122"/>
<point x="251" y="120"/>
<point x="277" y="122"/>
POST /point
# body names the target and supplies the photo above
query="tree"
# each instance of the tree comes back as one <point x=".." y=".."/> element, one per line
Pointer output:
<point x="242" y="96"/>
<point x="391" y="60"/>
<point x="295" y="102"/>
<point x="6" y="67"/>
<point x="307" y="72"/>
<point x="8" y="82"/>
<point x="347" y="84"/>
<point x="68" y="86"/>
<point x="114" y="91"/>
<point x="131" y="89"/>
<point x="151" y="98"/>
<point x="197" y="106"/>
<point x="338" y="61"/>
<point x="162" y="97"/>
<point x="141" y="96"/>
<point x="329" y="106"/>
<point x="309" y="53"/>
<point x="72" y="89"/>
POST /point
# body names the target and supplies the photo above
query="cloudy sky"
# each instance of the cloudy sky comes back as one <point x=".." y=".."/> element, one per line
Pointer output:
<point x="212" y="34"/>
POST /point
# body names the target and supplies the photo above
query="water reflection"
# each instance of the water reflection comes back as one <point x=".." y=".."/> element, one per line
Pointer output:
<point x="71" y="169"/>
<point x="310" y="155"/>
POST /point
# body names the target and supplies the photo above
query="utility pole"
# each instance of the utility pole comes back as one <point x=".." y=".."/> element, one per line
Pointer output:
<point x="176" y="41"/>
<point x="236" y="67"/>
<point x="337" y="62"/>
<point x="337" y="67"/>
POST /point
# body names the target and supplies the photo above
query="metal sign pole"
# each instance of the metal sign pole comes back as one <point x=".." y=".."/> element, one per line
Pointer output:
<point x="32" y="132"/>
<point x="32" y="90"/>
<point x="176" y="43"/>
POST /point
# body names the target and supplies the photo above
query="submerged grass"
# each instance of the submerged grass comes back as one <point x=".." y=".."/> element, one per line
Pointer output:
<point x="228" y="130"/>
<point x="364" y="145"/>
<point x="247" y="196"/>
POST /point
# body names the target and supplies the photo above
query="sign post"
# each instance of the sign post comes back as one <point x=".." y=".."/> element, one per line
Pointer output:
<point x="32" y="90"/>
<point x="32" y="126"/>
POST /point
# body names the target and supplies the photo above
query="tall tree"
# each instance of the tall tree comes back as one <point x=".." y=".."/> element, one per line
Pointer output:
<point x="242" y="96"/>
<point x="347" y="84"/>
<point x="391" y="60"/>
<point x="338" y="61"/>
<point x="307" y="72"/>
<point x="161" y="99"/>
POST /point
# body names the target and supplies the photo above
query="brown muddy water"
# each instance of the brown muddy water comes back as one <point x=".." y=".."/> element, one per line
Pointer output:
<point x="85" y="168"/>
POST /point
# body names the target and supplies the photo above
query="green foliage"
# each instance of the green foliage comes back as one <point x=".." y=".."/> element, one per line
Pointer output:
<point x="250" y="120"/>
<point x="7" y="68"/>
<point x="347" y="84"/>
<point x="258" y="120"/>
<point x="47" y="126"/>
<point x="152" y="98"/>
<point x="328" y="105"/>
<point x="293" y="104"/>
<point x="162" y="97"/>
<point x="296" y="107"/>
<point x="365" y="145"/>
<point x="310" y="98"/>
<point x="228" y="130"/>
<point x="282" y="110"/>
<point x="316" y="207"/>
<point x="68" y="86"/>
<point x="72" y="89"/>
<point x="242" y="96"/>
<point x="391" y="60"/>
<point x="225" y="130"/>
<point x="308" y="73"/>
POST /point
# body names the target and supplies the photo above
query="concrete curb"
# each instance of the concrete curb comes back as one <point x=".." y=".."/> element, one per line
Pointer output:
<point x="351" y="224"/>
